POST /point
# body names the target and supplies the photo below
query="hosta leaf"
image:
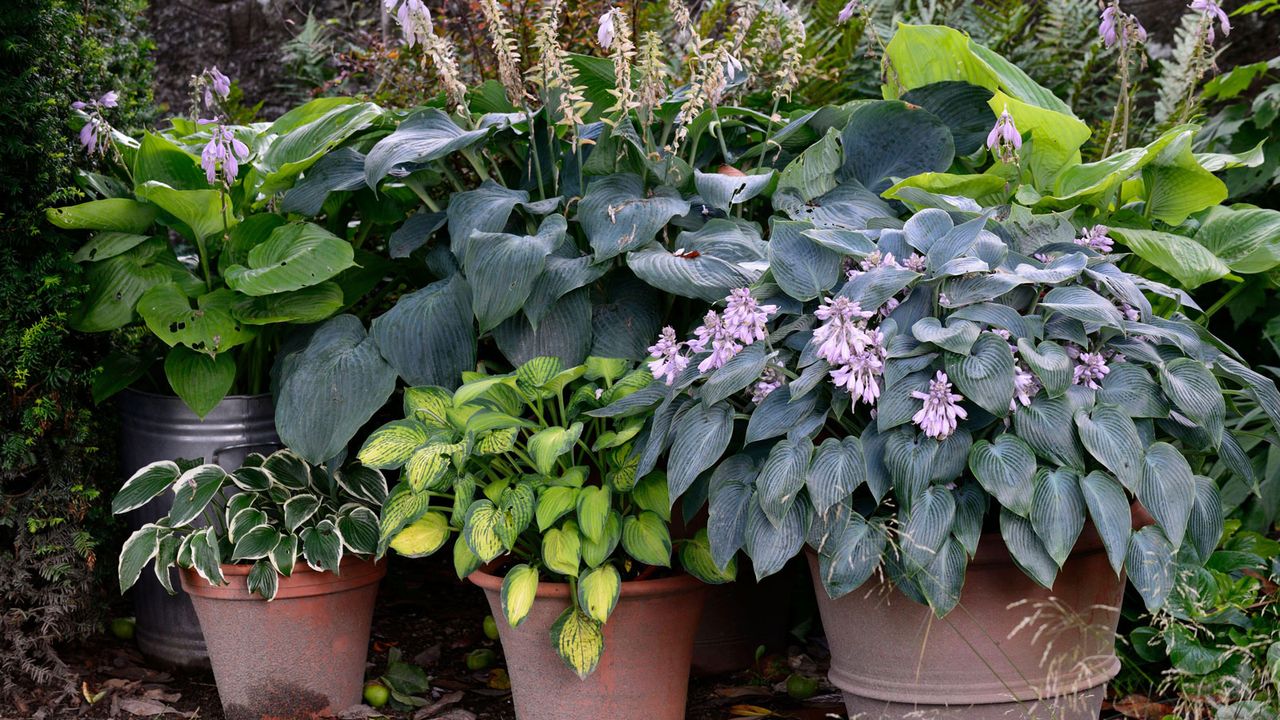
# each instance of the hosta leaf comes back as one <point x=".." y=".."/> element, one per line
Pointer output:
<point x="428" y="335"/>
<point x="851" y="555"/>
<point x="985" y="376"/>
<point x="200" y="380"/>
<point x="770" y="546"/>
<point x="782" y="477"/>
<point x="838" y="469"/>
<point x="144" y="485"/>
<point x="1045" y="425"/>
<point x="697" y="560"/>
<point x="1027" y="550"/>
<point x="578" y="641"/>
<point x="802" y="268"/>
<point x="423" y="536"/>
<point x="1195" y="392"/>
<point x="971" y="512"/>
<point x="942" y="580"/>
<point x="596" y="552"/>
<point x="298" y="509"/>
<point x="874" y="149"/>
<point x="402" y="507"/>
<point x="926" y="527"/>
<point x="705" y="264"/>
<point x="1109" y="510"/>
<point x="424" y="136"/>
<point x="908" y="456"/>
<point x="1204" y="527"/>
<point x="359" y="530"/>
<point x="193" y="491"/>
<point x="593" y="507"/>
<point x="554" y="503"/>
<point x="515" y="512"/>
<point x="206" y="213"/>
<point x="1050" y="364"/>
<point x="721" y="191"/>
<point x="1167" y="489"/>
<point x="646" y="538"/>
<point x="741" y="371"/>
<point x="778" y="415"/>
<point x="478" y="531"/>
<point x="285" y="555"/>
<point x="1150" y="566"/>
<point x="138" y="550"/>
<point x="562" y="549"/>
<point x="598" y="592"/>
<point x="391" y="445"/>
<point x="1081" y="303"/>
<point x="1131" y="388"/>
<point x="1057" y="511"/>
<point x="428" y="466"/>
<point x="519" y="588"/>
<point x="295" y="256"/>
<point x="502" y="268"/>
<point x="701" y="437"/>
<point x="263" y="580"/>
<point x="1110" y="436"/>
<point x="1005" y="468"/>
<point x="548" y="444"/>
<point x="651" y="494"/>
<point x="208" y="327"/>
<point x="729" y="493"/>
<point x="618" y="216"/>
<point x="958" y="337"/>
<point x="255" y="544"/>
<point x="322" y="546"/>
<point x="206" y="558"/>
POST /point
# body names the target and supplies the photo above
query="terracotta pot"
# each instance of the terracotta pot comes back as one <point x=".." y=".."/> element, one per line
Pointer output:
<point x="644" y="673"/>
<point x="747" y="614"/>
<point x="1010" y="649"/>
<point x="300" y="656"/>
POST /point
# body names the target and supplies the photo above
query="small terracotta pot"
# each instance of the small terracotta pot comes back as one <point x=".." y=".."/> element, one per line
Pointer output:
<point x="298" y="657"/>
<point x="1010" y="649"/>
<point x="644" y="673"/>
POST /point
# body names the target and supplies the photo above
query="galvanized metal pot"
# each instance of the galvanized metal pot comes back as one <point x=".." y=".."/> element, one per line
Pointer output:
<point x="161" y="427"/>
<point x="1010" y="649"/>
<point x="300" y="656"/>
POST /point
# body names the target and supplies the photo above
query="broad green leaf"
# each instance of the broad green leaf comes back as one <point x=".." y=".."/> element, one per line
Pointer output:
<point x="465" y="561"/>
<point x="519" y="588"/>
<point x="322" y="547"/>
<point x="116" y="284"/>
<point x="427" y="468"/>
<point x="598" y="592"/>
<point x="578" y="641"/>
<point x="423" y="536"/>
<point x="209" y="327"/>
<point x="1176" y="185"/>
<point x="1167" y="490"/>
<point x="562" y="549"/>
<point x="244" y="518"/>
<point x="1190" y="263"/>
<point x="144" y="485"/>
<point x="548" y="444"/>
<point x="1005" y="468"/>
<point x="1109" y="510"/>
<point x="502" y="268"/>
<point x="207" y="213"/>
<point x="1052" y="137"/>
<point x="1057" y="511"/>
<point x="112" y="214"/>
<point x="295" y="256"/>
<point x="646" y="538"/>
<point x="1112" y="439"/>
<point x="402" y="506"/>
<point x="307" y="305"/>
<point x="1247" y="240"/>
<point x="305" y="134"/>
<point x="108" y="244"/>
<point x="138" y="550"/>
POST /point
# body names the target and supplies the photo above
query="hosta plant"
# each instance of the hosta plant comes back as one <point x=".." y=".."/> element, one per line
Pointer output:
<point x="272" y="513"/>
<point x="537" y="490"/>
<point x="895" y="393"/>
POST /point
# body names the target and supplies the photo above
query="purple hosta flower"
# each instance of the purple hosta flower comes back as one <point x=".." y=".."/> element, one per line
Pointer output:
<point x="668" y="362"/>
<point x="1004" y="140"/>
<point x="943" y="300"/>
<point x="224" y="151"/>
<point x="95" y="135"/>
<point x="1115" y="22"/>
<point x="1008" y="337"/>
<point x="1214" y="11"/>
<point x="888" y="307"/>
<point x="717" y="336"/>
<point x="770" y="380"/>
<point x="606" y="33"/>
<point x="1090" y="369"/>
<point x="915" y="262"/>
<point x="848" y="10"/>
<point x="860" y="376"/>
<point x="1130" y="312"/>
<point x="1042" y="257"/>
<point x="217" y="86"/>
<point x="941" y="412"/>
<point x="876" y="259"/>
<point x="745" y="316"/>
<point x="413" y="17"/>
<point x="843" y="333"/>
<point x="1095" y="238"/>
<point x="1025" y="387"/>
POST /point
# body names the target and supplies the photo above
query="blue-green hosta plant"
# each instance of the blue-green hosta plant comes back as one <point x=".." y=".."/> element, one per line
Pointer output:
<point x="536" y="489"/>
<point x="893" y="393"/>
<point x="283" y="512"/>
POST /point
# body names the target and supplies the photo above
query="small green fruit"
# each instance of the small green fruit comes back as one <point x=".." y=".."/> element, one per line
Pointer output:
<point x="801" y="687"/>
<point x="490" y="627"/>
<point x="123" y="627"/>
<point x="376" y="694"/>
<point x="480" y="659"/>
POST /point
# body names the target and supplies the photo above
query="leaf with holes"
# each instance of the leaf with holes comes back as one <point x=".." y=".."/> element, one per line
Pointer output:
<point x="618" y="215"/>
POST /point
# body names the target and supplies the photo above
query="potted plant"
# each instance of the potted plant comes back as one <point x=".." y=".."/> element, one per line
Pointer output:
<point x="570" y="544"/>
<point x="281" y="575"/>
<point x="192" y="244"/>
<point x="954" y="407"/>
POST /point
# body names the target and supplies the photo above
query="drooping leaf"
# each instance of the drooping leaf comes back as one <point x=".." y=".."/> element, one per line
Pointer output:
<point x="1005" y="468"/>
<point x="618" y="216"/>
<point x="1057" y="511"/>
<point x="1109" y="511"/>
<point x="578" y="641"/>
<point x="428" y="134"/>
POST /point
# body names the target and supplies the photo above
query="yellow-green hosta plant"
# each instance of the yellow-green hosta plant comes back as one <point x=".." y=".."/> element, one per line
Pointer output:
<point x="284" y="511"/>
<point x="535" y="488"/>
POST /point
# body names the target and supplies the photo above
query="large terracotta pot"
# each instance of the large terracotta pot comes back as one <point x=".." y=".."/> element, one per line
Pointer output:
<point x="644" y="673"/>
<point x="1010" y="649"/>
<point x="298" y="657"/>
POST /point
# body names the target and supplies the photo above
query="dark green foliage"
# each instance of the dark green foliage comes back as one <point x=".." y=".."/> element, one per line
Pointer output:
<point x="54" y="451"/>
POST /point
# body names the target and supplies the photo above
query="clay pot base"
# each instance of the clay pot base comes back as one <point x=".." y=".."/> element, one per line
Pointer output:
<point x="1085" y="705"/>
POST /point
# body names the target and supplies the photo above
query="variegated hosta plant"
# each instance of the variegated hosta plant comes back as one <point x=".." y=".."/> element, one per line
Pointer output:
<point x="906" y="389"/>
<point x="283" y="510"/>
<point x="537" y="489"/>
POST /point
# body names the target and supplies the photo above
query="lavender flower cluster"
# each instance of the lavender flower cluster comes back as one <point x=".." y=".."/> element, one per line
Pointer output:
<point x="224" y="152"/>
<point x="722" y="335"/>
<point x="95" y="135"/>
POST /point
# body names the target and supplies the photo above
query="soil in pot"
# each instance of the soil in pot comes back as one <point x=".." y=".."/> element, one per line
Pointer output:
<point x="644" y="672"/>
<point x="298" y="657"/>
<point x="1010" y="649"/>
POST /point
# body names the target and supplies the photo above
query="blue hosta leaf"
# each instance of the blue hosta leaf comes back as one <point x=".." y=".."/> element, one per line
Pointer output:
<point x="889" y="139"/>
<point x="1109" y="510"/>
<point x="1110" y="436"/>
<point x="618" y="216"/>
<point x="625" y="318"/>
<point x="705" y="264"/>
<point x="1167" y="489"/>
<point x="811" y="174"/>
<point x="908" y="456"/>
<point x="414" y="233"/>
<point x="962" y="106"/>
<point x="1005" y="468"/>
<point x="770" y="546"/>
<point x="1057" y="511"/>
<point x="873" y="288"/>
<point x="958" y="337"/>
<point x="1060" y="269"/>
<point x="1130" y="387"/>
<point x="565" y="332"/>
<point x="941" y="581"/>
<point x="329" y="388"/>
<point x="428" y="336"/>
<point x="838" y="469"/>
<point x="1027" y="550"/>
<point x="778" y="415"/>
<point x="485" y="209"/>
<point x="1050" y="363"/>
<point x="985" y="376"/>
<point x="951" y="254"/>
<point x="803" y="268"/>
<point x="851" y="555"/>
<point x="926" y="527"/>
<point x="701" y="436"/>
<point x="782" y="477"/>
<point x="741" y="370"/>
<point x="340" y="170"/>
<point x="1195" y="392"/>
<point x="502" y="268"/>
<point x="730" y="492"/>
<point x="1150" y="565"/>
<point x="960" y="291"/>
<point x="565" y="272"/>
<point x="897" y="404"/>
<point x="1205" y="525"/>
<point x="721" y="191"/>
<point x="424" y="136"/>
<point x="1046" y="425"/>
<point x="1081" y="303"/>
<point x="949" y="461"/>
<point x="844" y="242"/>
<point x="848" y="205"/>
<point x="971" y="511"/>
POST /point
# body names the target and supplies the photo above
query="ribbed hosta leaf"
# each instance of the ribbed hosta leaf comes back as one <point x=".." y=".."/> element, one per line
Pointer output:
<point x="1195" y="392"/>
<point x="961" y="291"/>
<point x="720" y="191"/>
<point x="1081" y="303"/>
<point x="844" y="242"/>
<point x="705" y="264"/>
<point x="958" y="336"/>
<point x="942" y="580"/>
<point x="502" y="268"/>
<point x="986" y="376"/>
<point x="426" y="135"/>
<point x="1167" y="490"/>
<point x="741" y="370"/>
<point x="998" y="316"/>
<point x="1130" y="386"/>
<point x="890" y="139"/>
<point x="1046" y="425"/>
<point x="908" y="456"/>
<point x="1150" y="566"/>
<point x="1027" y="550"/>
<point x="565" y="332"/>
<point x="971" y="512"/>
<point x="770" y="546"/>
<point x="782" y="477"/>
<point x="485" y="209"/>
<point x="730" y="493"/>
<point x="851" y="555"/>
<point x="702" y="435"/>
<point x="1060" y="269"/>
<point x="873" y="288"/>
<point x="618" y="215"/>
<point x="295" y="256"/>
<point x="838" y="469"/>
<point x="802" y="268"/>
<point x="1204" y="528"/>
<point x="897" y="403"/>
<point x="1109" y="510"/>
<point x="1057" y="511"/>
<point x="926" y="526"/>
<point x="1108" y="433"/>
<point x="778" y="415"/>
<point x="1050" y="364"/>
<point x="1005" y="468"/>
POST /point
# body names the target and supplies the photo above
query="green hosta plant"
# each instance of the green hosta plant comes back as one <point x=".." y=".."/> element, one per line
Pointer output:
<point x="283" y="511"/>
<point x="907" y="388"/>
<point x="537" y="488"/>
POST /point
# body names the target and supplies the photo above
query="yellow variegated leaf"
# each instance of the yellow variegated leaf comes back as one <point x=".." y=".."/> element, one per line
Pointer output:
<point x="537" y="372"/>
<point x="553" y="503"/>
<point x="430" y="404"/>
<point x="519" y="588"/>
<point x="548" y="444"/>
<point x="428" y="465"/>
<point x="391" y="445"/>
<point x="561" y="549"/>
<point x="598" y="592"/>
<point x="422" y="537"/>
<point x="515" y="512"/>
<point x="695" y="556"/>
<point x="646" y="538"/>
<point x="497" y="441"/>
<point x="465" y="561"/>
<point x="593" y="511"/>
<point x="578" y="640"/>
<point x="596" y="552"/>
<point x="478" y="530"/>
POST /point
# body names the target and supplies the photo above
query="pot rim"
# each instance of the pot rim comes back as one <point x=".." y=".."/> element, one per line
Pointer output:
<point x="166" y="396"/>
<point x="305" y="581"/>
<point x="679" y="583"/>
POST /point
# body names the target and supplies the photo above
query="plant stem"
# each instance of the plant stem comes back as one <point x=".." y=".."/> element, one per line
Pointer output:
<point x="1222" y="302"/>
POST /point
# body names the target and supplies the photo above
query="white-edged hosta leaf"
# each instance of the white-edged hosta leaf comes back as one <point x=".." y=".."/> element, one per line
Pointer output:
<point x="166" y="557"/>
<point x="1109" y="510"/>
<point x="985" y="376"/>
<point x="958" y="336"/>
<point x="285" y="555"/>
<point x="598" y="592"/>
<point x="252" y="479"/>
<point x="1204" y="529"/>
<point x="359" y="529"/>
<point x="255" y="544"/>
<point x="144" y="485"/>
<point x="263" y="580"/>
<point x="783" y="476"/>
<point x="206" y="557"/>
<point x="1167" y="490"/>
<point x="1057" y="511"/>
<point x="701" y="436"/>
<point x="837" y="470"/>
<point x="1028" y="552"/>
<point x="138" y="550"/>
<point x="245" y="519"/>
<point x="193" y="491"/>
<point x="1110" y="436"/>
<point x="298" y="509"/>
<point x="1050" y="363"/>
<point x="519" y="588"/>
<point x="1195" y="392"/>
<point x="362" y="482"/>
<point x="322" y="546"/>
<point x="1151" y="566"/>
<point x="578" y="640"/>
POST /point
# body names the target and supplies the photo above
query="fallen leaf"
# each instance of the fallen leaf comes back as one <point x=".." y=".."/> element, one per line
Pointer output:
<point x="734" y="691"/>
<point x="359" y="712"/>
<point x="1141" y="707"/>
<point x="428" y="657"/>
<point x="445" y="700"/>
<point x="750" y="711"/>
<point x="144" y="707"/>
<point x="498" y="679"/>
<point x="161" y="695"/>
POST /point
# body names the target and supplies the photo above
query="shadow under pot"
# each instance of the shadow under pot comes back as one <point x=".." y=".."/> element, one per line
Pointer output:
<point x="298" y="657"/>
<point x="644" y="672"/>
<point x="1010" y="648"/>
<point x="161" y="427"/>
<point x="743" y="616"/>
